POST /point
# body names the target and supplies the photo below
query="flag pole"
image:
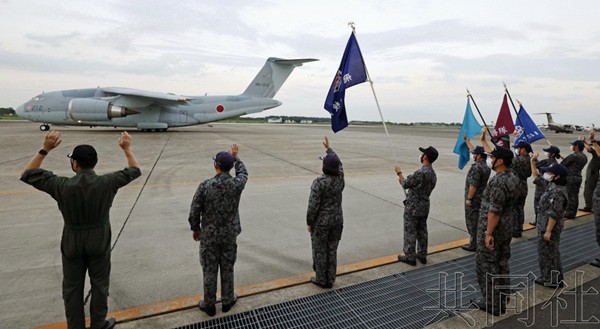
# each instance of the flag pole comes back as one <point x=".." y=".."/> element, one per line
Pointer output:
<point x="516" y="113"/>
<point x="481" y="116"/>
<point x="352" y="25"/>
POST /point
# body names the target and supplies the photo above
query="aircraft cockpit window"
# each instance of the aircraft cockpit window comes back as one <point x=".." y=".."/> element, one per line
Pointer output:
<point x="37" y="98"/>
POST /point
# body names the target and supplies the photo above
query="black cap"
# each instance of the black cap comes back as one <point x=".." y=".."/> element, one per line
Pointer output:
<point x="552" y="149"/>
<point x="525" y="145"/>
<point x="578" y="143"/>
<point x="85" y="155"/>
<point x="224" y="160"/>
<point x="503" y="153"/>
<point x="557" y="169"/>
<point x="479" y="150"/>
<point x="331" y="162"/>
<point x="430" y="152"/>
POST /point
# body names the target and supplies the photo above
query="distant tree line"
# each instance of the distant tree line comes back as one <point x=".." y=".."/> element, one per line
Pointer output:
<point x="7" y="111"/>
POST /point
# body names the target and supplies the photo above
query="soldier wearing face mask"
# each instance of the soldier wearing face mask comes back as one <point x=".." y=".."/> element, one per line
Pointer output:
<point x="494" y="232"/>
<point x="522" y="169"/>
<point x="574" y="163"/>
<point x="551" y="154"/>
<point x="475" y="184"/>
<point x="550" y="220"/>
<point x="419" y="186"/>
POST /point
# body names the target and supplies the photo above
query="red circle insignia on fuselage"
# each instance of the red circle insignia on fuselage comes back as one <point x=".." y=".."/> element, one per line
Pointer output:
<point x="220" y="108"/>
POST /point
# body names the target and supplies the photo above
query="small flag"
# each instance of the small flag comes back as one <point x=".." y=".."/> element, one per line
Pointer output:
<point x="351" y="72"/>
<point x="526" y="127"/>
<point x="504" y="126"/>
<point x="472" y="127"/>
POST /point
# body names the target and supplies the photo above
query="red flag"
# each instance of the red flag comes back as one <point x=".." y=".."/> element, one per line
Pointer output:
<point x="504" y="126"/>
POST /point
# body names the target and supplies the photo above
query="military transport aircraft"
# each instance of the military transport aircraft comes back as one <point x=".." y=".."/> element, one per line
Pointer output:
<point x="154" y="111"/>
<point x="557" y="127"/>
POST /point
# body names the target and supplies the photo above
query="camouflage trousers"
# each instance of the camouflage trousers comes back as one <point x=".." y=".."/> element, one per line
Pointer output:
<point x="471" y="218"/>
<point x="217" y="256"/>
<point x="492" y="271"/>
<point x="573" y="187"/>
<point x="325" y="241"/>
<point x="549" y="259"/>
<point x="415" y="235"/>
<point x="519" y="217"/>
<point x="588" y="191"/>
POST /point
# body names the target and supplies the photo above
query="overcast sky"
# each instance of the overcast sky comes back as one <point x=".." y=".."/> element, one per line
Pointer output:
<point x="421" y="55"/>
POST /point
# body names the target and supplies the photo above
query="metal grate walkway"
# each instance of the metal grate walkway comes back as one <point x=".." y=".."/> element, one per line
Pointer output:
<point x="410" y="299"/>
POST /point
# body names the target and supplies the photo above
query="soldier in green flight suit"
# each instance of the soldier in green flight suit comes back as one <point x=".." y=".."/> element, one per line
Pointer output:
<point x="84" y="201"/>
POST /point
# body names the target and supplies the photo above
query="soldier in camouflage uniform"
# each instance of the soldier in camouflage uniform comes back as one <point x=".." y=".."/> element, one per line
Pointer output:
<point x="522" y="169"/>
<point x="592" y="174"/>
<point x="475" y="184"/>
<point x="550" y="223"/>
<point x="215" y="222"/>
<point x="552" y="153"/>
<point x="84" y="201"/>
<point x="574" y="163"/>
<point x="419" y="186"/>
<point x="494" y="232"/>
<point x="596" y="205"/>
<point x="324" y="218"/>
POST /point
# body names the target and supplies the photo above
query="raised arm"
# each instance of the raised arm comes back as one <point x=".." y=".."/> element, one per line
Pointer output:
<point x="125" y="144"/>
<point x="484" y="142"/>
<point x="534" y="169"/>
<point x="51" y="141"/>
<point x="468" y="142"/>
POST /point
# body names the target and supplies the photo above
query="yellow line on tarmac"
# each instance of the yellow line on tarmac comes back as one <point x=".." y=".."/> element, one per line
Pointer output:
<point x="150" y="310"/>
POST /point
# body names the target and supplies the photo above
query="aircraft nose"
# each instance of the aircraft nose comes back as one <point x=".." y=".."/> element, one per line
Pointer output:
<point x="20" y="109"/>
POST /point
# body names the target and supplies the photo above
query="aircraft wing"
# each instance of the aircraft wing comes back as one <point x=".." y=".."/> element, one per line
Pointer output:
<point x="150" y="95"/>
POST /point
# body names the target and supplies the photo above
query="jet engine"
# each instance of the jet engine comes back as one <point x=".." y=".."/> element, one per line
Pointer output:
<point x="88" y="109"/>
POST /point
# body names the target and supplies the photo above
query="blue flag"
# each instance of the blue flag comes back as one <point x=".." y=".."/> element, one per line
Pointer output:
<point x="351" y="72"/>
<point x="472" y="127"/>
<point x="526" y="127"/>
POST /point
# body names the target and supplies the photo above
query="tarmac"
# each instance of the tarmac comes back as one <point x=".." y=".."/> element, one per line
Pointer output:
<point x="155" y="260"/>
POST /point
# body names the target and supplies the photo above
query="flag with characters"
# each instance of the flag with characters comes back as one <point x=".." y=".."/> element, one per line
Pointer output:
<point x="351" y="72"/>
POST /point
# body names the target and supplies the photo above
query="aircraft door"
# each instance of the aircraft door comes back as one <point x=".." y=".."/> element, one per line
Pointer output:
<point x="183" y="116"/>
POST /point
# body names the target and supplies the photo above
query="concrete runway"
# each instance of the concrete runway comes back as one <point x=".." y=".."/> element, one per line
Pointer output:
<point x="155" y="258"/>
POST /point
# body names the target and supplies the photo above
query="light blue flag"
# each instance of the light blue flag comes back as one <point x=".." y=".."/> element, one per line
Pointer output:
<point x="472" y="127"/>
<point x="526" y="127"/>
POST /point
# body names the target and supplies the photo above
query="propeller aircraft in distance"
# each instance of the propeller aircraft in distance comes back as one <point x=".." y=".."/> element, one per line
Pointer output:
<point x="155" y="111"/>
<point x="558" y="127"/>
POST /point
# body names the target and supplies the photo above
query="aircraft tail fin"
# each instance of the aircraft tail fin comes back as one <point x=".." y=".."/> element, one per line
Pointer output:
<point x="549" y="116"/>
<point x="272" y="76"/>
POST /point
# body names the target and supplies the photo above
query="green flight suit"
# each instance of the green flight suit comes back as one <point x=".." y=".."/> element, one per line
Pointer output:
<point x="84" y="201"/>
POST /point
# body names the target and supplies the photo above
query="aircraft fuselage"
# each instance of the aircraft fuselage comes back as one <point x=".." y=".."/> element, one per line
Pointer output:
<point x="53" y="108"/>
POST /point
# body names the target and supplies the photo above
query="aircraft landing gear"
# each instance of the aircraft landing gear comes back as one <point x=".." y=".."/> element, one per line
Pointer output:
<point x="44" y="127"/>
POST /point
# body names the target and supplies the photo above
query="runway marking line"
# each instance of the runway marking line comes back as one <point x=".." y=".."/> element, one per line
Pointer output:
<point x="181" y="304"/>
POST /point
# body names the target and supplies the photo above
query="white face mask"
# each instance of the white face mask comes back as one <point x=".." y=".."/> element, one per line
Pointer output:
<point x="421" y="158"/>
<point x="517" y="153"/>
<point x="549" y="177"/>
<point x="489" y="163"/>
<point x="572" y="148"/>
<point x="546" y="154"/>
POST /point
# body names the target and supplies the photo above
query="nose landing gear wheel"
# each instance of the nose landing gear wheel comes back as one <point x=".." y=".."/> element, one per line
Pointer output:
<point x="44" y="127"/>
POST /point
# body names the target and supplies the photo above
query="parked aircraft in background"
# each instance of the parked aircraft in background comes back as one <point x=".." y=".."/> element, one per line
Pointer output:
<point x="147" y="110"/>
<point x="557" y="127"/>
<point x="592" y="127"/>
